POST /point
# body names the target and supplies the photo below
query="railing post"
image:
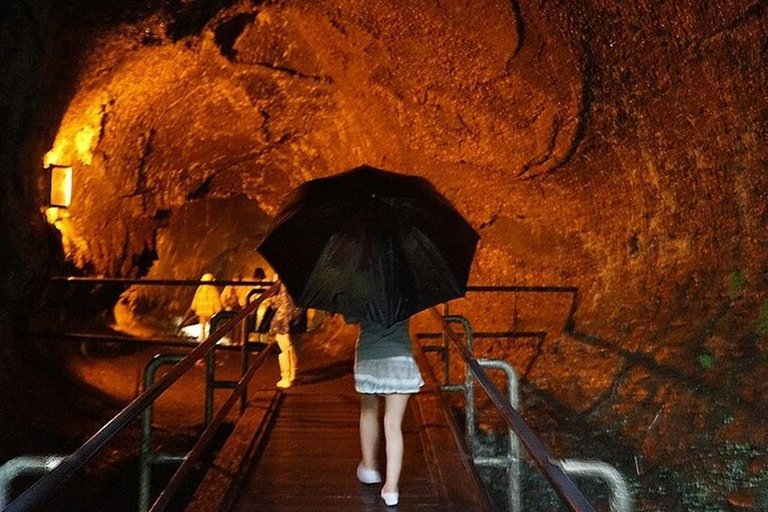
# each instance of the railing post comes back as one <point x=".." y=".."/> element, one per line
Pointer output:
<point x="210" y="368"/>
<point x="192" y="458"/>
<point x="44" y="488"/>
<point x="146" y="458"/>
<point x="621" y="498"/>
<point x="540" y="455"/>
<point x="243" y="334"/>
<point x="23" y="466"/>
<point x="469" y="383"/>
<point x="512" y="461"/>
<point x="446" y="352"/>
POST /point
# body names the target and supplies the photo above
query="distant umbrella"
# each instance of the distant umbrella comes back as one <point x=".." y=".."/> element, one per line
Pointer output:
<point x="370" y="244"/>
<point x="190" y="318"/>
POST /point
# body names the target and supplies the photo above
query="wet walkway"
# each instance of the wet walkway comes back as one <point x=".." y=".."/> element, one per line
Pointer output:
<point x="307" y="457"/>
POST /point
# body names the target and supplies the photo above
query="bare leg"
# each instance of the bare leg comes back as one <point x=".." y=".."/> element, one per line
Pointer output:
<point x="393" y="420"/>
<point x="204" y="328"/>
<point x="369" y="430"/>
<point x="286" y="360"/>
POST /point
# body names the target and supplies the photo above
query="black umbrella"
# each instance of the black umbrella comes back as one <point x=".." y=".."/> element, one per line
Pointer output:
<point x="370" y="244"/>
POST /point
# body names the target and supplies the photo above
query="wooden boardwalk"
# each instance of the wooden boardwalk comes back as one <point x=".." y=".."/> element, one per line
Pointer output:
<point x="304" y="455"/>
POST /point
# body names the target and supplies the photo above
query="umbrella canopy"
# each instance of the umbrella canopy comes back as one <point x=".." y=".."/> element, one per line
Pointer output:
<point x="370" y="244"/>
<point x="190" y="318"/>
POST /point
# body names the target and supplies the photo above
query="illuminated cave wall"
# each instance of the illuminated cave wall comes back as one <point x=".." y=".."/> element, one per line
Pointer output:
<point x="617" y="148"/>
<point x="621" y="151"/>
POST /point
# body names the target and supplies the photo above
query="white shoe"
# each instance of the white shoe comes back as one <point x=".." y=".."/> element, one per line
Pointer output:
<point x="368" y="476"/>
<point x="390" y="498"/>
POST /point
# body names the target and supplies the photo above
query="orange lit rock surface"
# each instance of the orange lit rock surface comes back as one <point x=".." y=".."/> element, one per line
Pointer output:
<point x="620" y="149"/>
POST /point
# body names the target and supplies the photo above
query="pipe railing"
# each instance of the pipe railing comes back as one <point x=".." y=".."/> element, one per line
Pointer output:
<point x="148" y="458"/>
<point x="155" y="282"/>
<point x="84" y="337"/>
<point x="621" y="497"/>
<point x="44" y="488"/>
<point x="512" y="460"/>
<point x="25" y="465"/>
<point x="538" y="452"/>
<point x="193" y="457"/>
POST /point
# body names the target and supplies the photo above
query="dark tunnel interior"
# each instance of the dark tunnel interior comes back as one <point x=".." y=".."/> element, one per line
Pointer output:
<point x="620" y="149"/>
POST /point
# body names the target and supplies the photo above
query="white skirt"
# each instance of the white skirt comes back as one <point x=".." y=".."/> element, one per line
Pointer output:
<point x="387" y="376"/>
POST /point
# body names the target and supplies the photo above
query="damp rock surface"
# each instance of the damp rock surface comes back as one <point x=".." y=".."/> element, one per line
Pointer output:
<point x="616" y="149"/>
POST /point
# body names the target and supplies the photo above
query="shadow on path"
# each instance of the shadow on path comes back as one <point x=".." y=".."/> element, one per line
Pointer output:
<point x="330" y="371"/>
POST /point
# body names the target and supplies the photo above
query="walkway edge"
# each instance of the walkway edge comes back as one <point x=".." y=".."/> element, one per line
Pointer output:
<point x="452" y="471"/>
<point x="222" y="481"/>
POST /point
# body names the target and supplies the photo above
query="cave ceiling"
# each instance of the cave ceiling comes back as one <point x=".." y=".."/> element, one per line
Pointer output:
<point x="590" y="143"/>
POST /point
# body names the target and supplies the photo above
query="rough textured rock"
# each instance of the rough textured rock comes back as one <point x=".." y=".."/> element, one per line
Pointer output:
<point x="620" y="149"/>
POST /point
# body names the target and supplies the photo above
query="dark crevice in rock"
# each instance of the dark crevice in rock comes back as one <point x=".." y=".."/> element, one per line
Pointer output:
<point x="222" y="165"/>
<point x="143" y="261"/>
<point x="333" y="18"/>
<point x="463" y="123"/>
<point x="587" y="99"/>
<point x="490" y="222"/>
<point x="607" y="395"/>
<point x="756" y="10"/>
<point x="556" y="127"/>
<point x="227" y="33"/>
<point x="189" y="18"/>
<point x="634" y="246"/>
<point x="539" y="351"/>
<point x="535" y="117"/>
<point x="695" y="385"/>
<point x="519" y="26"/>
<point x="265" y="125"/>
<point x="104" y="118"/>
<point x="203" y="189"/>
<point x="288" y="71"/>
<point x="124" y="250"/>
<point x="162" y="218"/>
<point x="140" y="188"/>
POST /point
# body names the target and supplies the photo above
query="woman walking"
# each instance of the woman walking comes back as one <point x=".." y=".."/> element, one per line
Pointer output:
<point x="280" y="328"/>
<point x="205" y="304"/>
<point x="384" y="367"/>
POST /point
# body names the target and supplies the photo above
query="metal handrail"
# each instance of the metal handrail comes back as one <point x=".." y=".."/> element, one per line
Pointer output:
<point x="46" y="486"/>
<point x="147" y="457"/>
<point x="621" y="498"/>
<point x="563" y="486"/>
<point x="512" y="461"/>
<point x="81" y="337"/>
<point x="25" y="465"/>
<point x="193" y="457"/>
<point x="155" y="282"/>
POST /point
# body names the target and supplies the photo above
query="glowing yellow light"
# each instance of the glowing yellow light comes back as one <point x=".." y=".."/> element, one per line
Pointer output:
<point x="83" y="141"/>
<point x="52" y="214"/>
<point x="53" y="156"/>
<point x="61" y="186"/>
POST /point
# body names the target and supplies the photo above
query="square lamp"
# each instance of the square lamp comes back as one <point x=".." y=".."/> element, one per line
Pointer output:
<point x="61" y="186"/>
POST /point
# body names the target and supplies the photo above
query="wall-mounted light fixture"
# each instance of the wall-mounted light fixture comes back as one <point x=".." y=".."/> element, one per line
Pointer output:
<point x="61" y="185"/>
